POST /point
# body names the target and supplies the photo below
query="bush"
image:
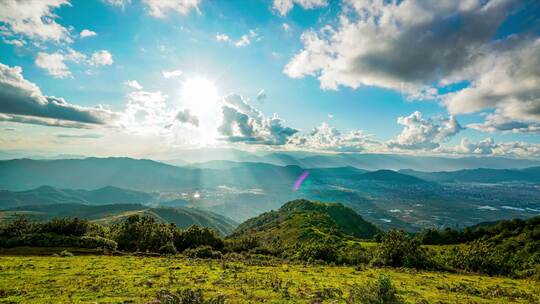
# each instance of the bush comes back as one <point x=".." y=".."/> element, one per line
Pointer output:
<point x="317" y="251"/>
<point x="382" y="291"/>
<point x="65" y="226"/>
<point x="196" y="236"/>
<point x="203" y="252"/>
<point x="142" y="233"/>
<point x="168" y="249"/>
<point x="397" y="249"/>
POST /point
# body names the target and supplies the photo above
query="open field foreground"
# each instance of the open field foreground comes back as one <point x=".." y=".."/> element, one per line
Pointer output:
<point x="135" y="279"/>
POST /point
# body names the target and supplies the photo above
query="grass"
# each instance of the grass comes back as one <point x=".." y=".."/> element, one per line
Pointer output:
<point x="137" y="279"/>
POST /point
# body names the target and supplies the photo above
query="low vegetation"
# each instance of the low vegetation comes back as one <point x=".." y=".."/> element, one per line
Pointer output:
<point x="323" y="237"/>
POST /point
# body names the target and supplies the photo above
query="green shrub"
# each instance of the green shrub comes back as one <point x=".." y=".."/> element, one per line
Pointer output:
<point x="203" y="252"/>
<point x="65" y="226"/>
<point x="168" y="249"/>
<point x="381" y="291"/>
<point x="317" y="251"/>
<point x="397" y="249"/>
<point x="196" y="236"/>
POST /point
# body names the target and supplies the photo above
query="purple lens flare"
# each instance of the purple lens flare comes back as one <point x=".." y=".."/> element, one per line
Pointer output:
<point x="300" y="180"/>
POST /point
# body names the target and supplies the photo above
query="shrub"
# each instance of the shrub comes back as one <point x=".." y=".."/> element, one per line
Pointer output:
<point x="397" y="249"/>
<point x="203" y="252"/>
<point x="382" y="291"/>
<point x="168" y="249"/>
<point x="316" y="251"/>
<point x="65" y="226"/>
<point x="196" y="236"/>
<point x="142" y="233"/>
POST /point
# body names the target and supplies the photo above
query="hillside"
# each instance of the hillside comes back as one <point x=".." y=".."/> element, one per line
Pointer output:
<point x="108" y="214"/>
<point x="481" y="175"/>
<point x="46" y="195"/>
<point x="302" y="220"/>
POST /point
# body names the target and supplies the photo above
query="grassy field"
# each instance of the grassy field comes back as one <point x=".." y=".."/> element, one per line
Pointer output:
<point x="137" y="279"/>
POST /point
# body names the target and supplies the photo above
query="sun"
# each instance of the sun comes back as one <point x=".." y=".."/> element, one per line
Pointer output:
<point x="199" y="95"/>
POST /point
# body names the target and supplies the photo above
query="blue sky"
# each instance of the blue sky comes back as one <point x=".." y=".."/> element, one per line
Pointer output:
<point x="460" y="93"/>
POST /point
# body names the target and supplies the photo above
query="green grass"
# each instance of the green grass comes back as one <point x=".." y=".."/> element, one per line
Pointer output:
<point x="136" y="279"/>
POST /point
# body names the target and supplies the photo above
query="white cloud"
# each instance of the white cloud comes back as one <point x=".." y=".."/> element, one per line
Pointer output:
<point x="326" y="138"/>
<point x="285" y="6"/>
<point x="120" y="3"/>
<point x="261" y="95"/>
<point x="222" y="37"/>
<point x="34" y="19"/>
<point x="146" y="113"/>
<point x="488" y="146"/>
<point x="171" y="74"/>
<point x="424" y="134"/>
<point x="243" y="123"/>
<point x="499" y="123"/>
<point x="133" y="84"/>
<point x="184" y="116"/>
<point x="394" y="45"/>
<point x="160" y="8"/>
<point x="15" y="42"/>
<point x="54" y="64"/>
<point x="87" y="33"/>
<point x="243" y="41"/>
<point x="102" y="57"/>
<point x="19" y="96"/>
<point x="286" y="27"/>
<point x="507" y="80"/>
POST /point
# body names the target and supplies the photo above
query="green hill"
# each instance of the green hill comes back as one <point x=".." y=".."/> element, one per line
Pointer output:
<point x="109" y="214"/>
<point x="302" y="221"/>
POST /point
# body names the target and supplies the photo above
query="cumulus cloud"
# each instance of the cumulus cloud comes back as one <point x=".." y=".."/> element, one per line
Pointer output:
<point x="326" y="138"/>
<point x="119" y="3"/>
<point x="19" y="96"/>
<point x="133" y="84"/>
<point x="172" y="74"/>
<point x="160" y="8"/>
<point x="34" y="19"/>
<point x="102" y="57"/>
<point x="285" y="6"/>
<point x="184" y="116"/>
<point x="243" y="123"/>
<point x="261" y="95"/>
<point x="488" y="146"/>
<point x="508" y="81"/>
<point x="243" y="41"/>
<point x="146" y="112"/>
<point x="499" y="123"/>
<point x="87" y="33"/>
<point x="424" y="134"/>
<point x="405" y="45"/>
<point x="54" y="64"/>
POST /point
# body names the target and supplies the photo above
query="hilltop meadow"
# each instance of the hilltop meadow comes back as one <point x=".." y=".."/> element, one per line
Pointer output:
<point x="305" y="252"/>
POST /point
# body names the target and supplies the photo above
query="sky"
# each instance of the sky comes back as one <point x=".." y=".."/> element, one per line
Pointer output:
<point x="148" y="78"/>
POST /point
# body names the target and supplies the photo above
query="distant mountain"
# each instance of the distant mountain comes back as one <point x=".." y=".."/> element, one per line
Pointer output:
<point x="482" y="175"/>
<point x="46" y="195"/>
<point x="303" y="220"/>
<point x="390" y="176"/>
<point x="108" y="214"/>
<point x="397" y="162"/>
